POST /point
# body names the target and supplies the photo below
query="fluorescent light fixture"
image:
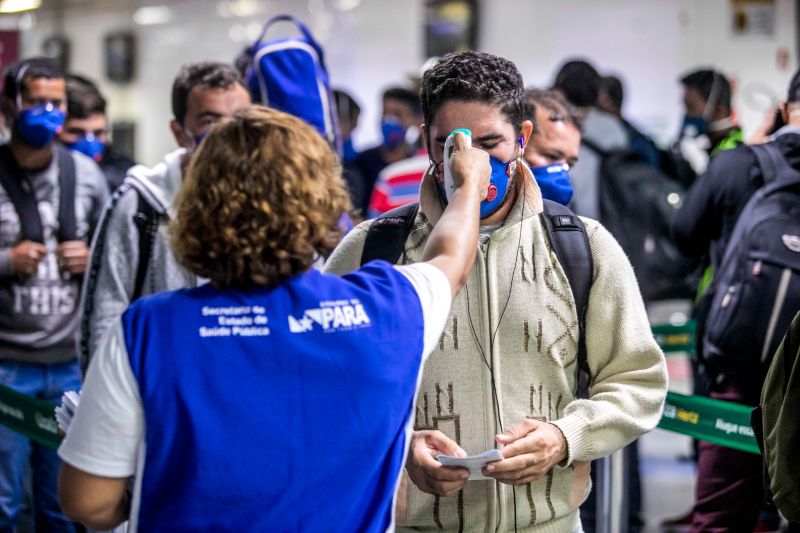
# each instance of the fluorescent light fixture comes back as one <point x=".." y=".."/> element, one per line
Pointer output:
<point x="151" y="15"/>
<point x="17" y="6"/>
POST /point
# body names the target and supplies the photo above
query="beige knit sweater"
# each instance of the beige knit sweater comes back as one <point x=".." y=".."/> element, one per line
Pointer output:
<point x="531" y="344"/>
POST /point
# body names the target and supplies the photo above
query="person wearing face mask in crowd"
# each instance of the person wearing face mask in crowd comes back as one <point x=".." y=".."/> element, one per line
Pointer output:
<point x="131" y="256"/>
<point x="50" y="202"/>
<point x="86" y="130"/>
<point x="554" y="144"/>
<point x="729" y="483"/>
<point x="400" y="120"/>
<point x="503" y="375"/>
<point x="578" y="81"/>
<point x="709" y="126"/>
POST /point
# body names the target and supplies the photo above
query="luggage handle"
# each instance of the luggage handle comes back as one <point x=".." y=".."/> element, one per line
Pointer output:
<point x="300" y="26"/>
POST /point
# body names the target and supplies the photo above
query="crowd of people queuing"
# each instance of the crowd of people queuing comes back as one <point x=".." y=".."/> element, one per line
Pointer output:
<point x="228" y="383"/>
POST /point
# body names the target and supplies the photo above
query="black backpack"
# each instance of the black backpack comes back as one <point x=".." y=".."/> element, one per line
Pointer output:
<point x="386" y="239"/>
<point x="12" y="179"/>
<point x="637" y="202"/>
<point x="757" y="285"/>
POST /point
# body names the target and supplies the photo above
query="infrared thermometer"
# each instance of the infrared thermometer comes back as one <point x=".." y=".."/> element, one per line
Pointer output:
<point x="449" y="146"/>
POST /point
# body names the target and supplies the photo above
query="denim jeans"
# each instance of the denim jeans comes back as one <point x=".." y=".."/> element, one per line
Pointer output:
<point x="47" y="382"/>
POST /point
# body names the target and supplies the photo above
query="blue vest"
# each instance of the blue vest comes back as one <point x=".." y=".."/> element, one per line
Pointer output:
<point x="281" y="409"/>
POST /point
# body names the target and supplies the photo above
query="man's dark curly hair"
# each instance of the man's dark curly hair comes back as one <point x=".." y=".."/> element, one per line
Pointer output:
<point x="474" y="77"/>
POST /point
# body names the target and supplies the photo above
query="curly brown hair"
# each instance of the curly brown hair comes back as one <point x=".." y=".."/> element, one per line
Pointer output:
<point x="262" y="197"/>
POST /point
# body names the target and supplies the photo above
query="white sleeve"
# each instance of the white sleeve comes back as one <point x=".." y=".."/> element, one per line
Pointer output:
<point x="435" y="297"/>
<point x="104" y="436"/>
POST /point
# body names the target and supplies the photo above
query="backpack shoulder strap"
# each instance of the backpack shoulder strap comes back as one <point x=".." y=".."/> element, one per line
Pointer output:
<point x="146" y="220"/>
<point x="91" y="278"/>
<point x="386" y="237"/>
<point x="67" y="228"/>
<point x="594" y="147"/>
<point x="570" y="243"/>
<point x="18" y="189"/>
<point x="769" y="159"/>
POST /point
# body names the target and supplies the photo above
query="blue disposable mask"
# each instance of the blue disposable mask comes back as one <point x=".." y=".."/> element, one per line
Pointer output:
<point x="694" y="126"/>
<point x="554" y="182"/>
<point x="394" y="133"/>
<point x="89" y="145"/>
<point x="498" y="185"/>
<point x="39" y="125"/>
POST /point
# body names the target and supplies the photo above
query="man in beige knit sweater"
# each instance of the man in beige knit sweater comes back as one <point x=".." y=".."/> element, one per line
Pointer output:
<point x="504" y="373"/>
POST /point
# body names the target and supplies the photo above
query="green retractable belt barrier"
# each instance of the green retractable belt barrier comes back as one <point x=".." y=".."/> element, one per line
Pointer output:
<point x="723" y="423"/>
<point x="675" y="338"/>
<point x="29" y="416"/>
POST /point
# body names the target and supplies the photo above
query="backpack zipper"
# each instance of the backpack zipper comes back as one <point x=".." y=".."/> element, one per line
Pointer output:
<point x="780" y="297"/>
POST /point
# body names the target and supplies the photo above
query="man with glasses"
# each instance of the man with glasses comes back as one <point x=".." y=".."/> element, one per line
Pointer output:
<point x="132" y="256"/>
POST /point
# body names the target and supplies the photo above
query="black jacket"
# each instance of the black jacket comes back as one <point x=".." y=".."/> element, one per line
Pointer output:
<point x="711" y="207"/>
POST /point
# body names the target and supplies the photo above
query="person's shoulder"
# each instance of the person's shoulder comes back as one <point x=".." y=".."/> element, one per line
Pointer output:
<point x="347" y="255"/>
<point x="158" y="305"/>
<point x="604" y="130"/>
<point x="86" y="169"/>
<point x="730" y="169"/>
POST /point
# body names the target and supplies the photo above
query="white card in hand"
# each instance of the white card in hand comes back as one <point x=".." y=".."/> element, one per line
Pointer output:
<point x="473" y="463"/>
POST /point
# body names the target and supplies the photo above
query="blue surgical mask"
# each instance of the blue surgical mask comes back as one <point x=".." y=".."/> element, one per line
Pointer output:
<point x="554" y="182"/>
<point x="498" y="185"/>
<point x="39" y="125"/>
<point x="89" y="145"/>
<point x="694" y="126"/>
<point x="394" y="133"/>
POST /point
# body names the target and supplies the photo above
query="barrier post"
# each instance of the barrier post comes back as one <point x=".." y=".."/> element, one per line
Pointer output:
<point x="612" y="494"/>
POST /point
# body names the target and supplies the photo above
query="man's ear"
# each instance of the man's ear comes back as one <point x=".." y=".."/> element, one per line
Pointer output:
<point x="525" y="132"/>
<point x="179" y="134"/>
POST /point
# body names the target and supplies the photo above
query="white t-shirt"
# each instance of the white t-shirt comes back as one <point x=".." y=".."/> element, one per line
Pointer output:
<point x="106" y="435"/>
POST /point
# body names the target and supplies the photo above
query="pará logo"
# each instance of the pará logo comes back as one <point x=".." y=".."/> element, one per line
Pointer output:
<point x="331" y="316"/>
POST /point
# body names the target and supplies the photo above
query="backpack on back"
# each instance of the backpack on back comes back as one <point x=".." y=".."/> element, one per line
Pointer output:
<point x="386" y="239"/>
<point x="637" y="202"/>
<point x="777" y="425"/>
<point x="289" y="74"/>
<point x="757" y="285"/>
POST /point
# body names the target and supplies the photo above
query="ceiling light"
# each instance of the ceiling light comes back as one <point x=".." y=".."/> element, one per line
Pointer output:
<point x="151" y="15"/>
<point x="16" y="6"/>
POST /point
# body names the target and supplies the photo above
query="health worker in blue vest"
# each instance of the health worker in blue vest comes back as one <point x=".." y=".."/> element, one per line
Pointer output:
<point x="274" y="398"/>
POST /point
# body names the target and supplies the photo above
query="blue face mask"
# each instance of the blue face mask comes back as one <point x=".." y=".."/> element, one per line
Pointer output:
<point x="697" y="125"/>
<point x="394" y="133"/>
<point x="39" y="125"/>
<point x="498" y="185"/>
<point x="554" y="182"/>
<point x="89" y="145"/>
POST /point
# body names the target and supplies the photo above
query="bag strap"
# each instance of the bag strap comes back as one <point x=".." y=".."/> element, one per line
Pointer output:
<point x="594" y="147"/>
<point x="386" y="236"/>
<point x="300" y="26"/>
<point x="570" y="243"/>
<point x="67" y="228"/>
<point x="768" y="158"/>
<point x="22" y="196"/>
<point x="146" y="220"/>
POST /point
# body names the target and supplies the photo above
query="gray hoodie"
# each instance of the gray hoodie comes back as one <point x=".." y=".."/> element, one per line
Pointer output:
<point x="37" y="312"/>
<point x="606" y="132"/>
<point x="115" y="251"/>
